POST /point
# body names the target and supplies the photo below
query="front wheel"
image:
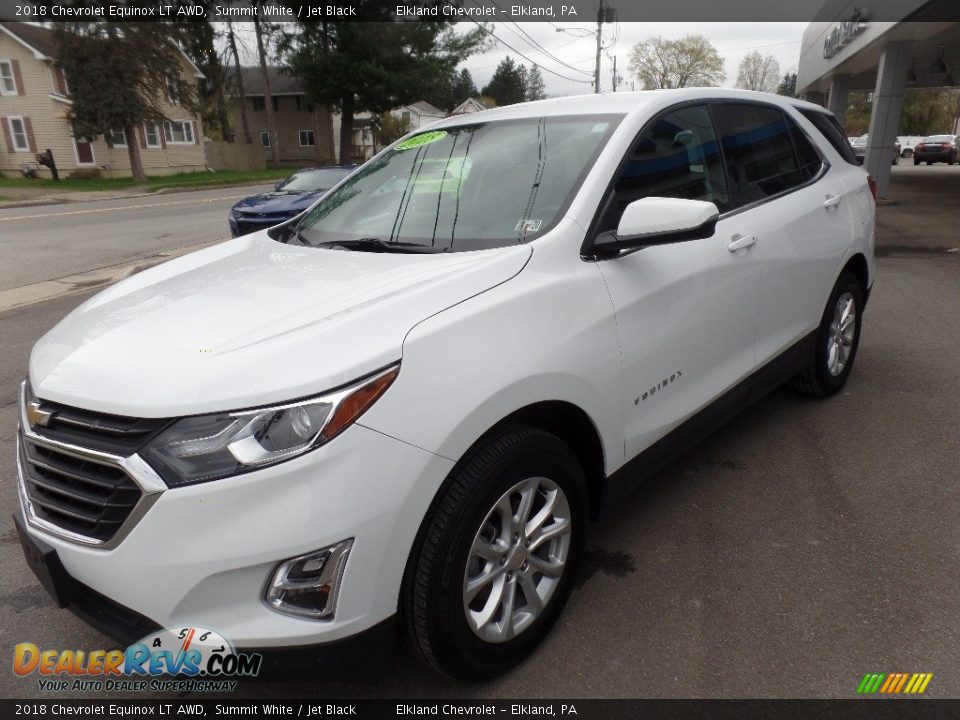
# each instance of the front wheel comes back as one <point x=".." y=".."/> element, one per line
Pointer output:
<point x="908" y="153"/>
<point x="837" y="340"/>
<point x="494" y="561"/>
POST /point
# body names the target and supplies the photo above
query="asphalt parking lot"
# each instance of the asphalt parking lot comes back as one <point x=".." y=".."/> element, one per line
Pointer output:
<point x="805" y="544"/>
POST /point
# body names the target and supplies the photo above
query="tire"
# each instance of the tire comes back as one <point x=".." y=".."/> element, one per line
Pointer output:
<point x="952" y="160"/>
<point x="896" y="159"/>
<point x="908" y="153"/>
<point x="916" y="161"/>
<point x="468" y="517"/>
<point x="829" y="369"/>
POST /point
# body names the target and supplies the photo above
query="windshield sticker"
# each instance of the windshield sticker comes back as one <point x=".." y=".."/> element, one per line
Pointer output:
<point x="528" y="225"/>
<point x="422" y="139"/>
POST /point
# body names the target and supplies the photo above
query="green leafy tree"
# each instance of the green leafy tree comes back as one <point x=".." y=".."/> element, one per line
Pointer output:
<point x="507" y="86"/>
<point x="119" y="73"/>
<point x="535" y="89"/>
<point x="788" y="85"/>
<point x="464" y="87"/>
<point x="374" y="66"/>
<point x="199" y="41"/>
<point x="686" y="62"/>
<point x="387" y="127"/>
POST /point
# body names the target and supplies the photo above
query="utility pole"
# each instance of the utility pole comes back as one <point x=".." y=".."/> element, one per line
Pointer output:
<point x="614" y="73"/>
<point x="596" y="72"/>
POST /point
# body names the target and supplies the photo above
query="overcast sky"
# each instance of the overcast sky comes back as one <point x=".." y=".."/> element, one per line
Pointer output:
<point x="732" y="40"/>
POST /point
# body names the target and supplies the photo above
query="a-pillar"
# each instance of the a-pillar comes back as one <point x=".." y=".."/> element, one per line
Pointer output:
<point x="885" y="115"/>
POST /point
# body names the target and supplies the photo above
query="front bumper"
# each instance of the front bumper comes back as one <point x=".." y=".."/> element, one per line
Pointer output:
<point x="201" y="555"/>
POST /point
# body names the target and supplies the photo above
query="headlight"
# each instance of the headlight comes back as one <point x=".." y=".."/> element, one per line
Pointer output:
<point x="209" y="447"/>
<point x="234" y="213"/>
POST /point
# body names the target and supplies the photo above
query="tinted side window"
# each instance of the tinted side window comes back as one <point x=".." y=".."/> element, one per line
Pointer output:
<point x="807" y="156"/>
<point x="831" y="130"/>
<point x="677" y="155"/>
<point x="759" y="151"/>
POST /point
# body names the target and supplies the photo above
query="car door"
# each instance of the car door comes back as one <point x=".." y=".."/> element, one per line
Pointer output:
<point x="686" y="312"/>
<point x="799" y="211"/>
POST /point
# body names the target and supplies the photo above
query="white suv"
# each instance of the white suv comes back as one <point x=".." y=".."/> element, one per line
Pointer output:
<point x="404" y="405"/>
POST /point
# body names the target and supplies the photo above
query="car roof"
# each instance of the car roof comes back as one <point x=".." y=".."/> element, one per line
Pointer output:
<point x="640" y="102"/>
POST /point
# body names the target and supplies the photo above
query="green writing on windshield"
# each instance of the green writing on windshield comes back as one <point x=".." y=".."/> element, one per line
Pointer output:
<point x="421" y="139"/>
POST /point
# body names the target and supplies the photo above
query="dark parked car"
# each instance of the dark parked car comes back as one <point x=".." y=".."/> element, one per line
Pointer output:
<point x="936" y="148"/>
<point x="290" y="197"/>
<point x="860" y="149"/>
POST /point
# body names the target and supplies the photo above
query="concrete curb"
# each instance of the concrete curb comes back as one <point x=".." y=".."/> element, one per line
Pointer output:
<point x="25" y="295"/>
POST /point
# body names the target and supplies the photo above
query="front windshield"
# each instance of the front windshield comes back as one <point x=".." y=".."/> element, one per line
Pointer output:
<point x="467" y="187"/>
<point x="939" y="139"/>
<point x="310" y="180"/>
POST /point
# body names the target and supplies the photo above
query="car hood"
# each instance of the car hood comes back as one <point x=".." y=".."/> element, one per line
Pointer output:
<point x="278" y="202"/>
<point x="251" y="322"/>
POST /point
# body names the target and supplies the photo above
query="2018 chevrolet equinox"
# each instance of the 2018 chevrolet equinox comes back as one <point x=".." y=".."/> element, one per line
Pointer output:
<point x="405" y="404"/>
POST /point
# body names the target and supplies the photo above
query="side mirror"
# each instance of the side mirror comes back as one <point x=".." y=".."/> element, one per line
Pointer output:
<point x="659" y="221"/>
<point x="279" y="185"/>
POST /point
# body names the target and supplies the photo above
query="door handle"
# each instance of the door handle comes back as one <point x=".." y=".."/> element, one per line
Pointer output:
<point x="740" y="242"/>
<point x="832" y="201"/>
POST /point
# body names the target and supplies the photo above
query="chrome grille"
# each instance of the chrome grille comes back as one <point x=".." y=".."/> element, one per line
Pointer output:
<point x="78" y="471"/>
<point x="80" y="496"/>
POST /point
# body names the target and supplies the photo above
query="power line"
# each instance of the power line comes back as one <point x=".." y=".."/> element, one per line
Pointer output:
<point x="546" y="52"/>
<point x="541" y="66"/>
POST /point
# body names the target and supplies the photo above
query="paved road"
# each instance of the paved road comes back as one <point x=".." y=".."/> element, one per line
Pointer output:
<point x="51" y="241"/>
<point x="805" y="544"/>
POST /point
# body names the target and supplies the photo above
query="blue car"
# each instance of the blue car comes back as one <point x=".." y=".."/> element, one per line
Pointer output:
<point x="290" y="197"/>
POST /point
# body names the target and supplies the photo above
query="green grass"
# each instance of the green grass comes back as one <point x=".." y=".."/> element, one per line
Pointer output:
<point x="190" y="180"/>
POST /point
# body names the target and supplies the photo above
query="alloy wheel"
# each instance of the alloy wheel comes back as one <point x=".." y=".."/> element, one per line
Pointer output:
<point x="517" y="559"/>
<point x="842" y="332"/>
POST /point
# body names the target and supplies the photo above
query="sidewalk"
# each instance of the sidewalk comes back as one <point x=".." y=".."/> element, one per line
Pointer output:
<point x="13" y="197"/>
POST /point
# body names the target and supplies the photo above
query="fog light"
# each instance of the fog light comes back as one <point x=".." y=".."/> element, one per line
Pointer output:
<point x="306" y="586"/>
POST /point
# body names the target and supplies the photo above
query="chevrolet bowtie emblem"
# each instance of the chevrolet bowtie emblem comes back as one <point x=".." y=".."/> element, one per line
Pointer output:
<point x="36" y="416"/>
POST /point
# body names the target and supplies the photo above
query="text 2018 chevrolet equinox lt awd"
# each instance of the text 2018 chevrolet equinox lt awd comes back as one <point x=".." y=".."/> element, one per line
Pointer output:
<point x="403" y="406"/>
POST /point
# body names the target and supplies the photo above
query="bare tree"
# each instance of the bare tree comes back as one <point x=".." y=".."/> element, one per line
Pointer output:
<point x="243" y="94"/>
<point x="267" y="95"/>
<point x="661" y="63"/>
<point x="759" y="72"/>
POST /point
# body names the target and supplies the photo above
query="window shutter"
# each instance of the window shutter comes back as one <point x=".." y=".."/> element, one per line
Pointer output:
<point x="28" y="127"/>
<point x="162" y="131"/>
<point x="141" y="136"/>
<point x="6" y="134"/>
<point x="17" y="77"/>
<point x="196" y="135"/>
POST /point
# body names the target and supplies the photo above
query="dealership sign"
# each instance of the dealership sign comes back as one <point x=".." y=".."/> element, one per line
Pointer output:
<point x="844" y="33"/>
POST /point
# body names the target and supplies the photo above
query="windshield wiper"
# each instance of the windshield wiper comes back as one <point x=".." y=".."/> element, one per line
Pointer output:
<point x="373" y="244"/>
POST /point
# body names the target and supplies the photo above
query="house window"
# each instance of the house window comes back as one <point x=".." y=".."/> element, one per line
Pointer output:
<point x="18" y="133"/>
<point x="301" y="103"/>
<point x="118" y="138"/>
<point x="258" y="104"/>
<point x="276" y="104"/>
<point x="8" y="85"/>
<point x="152" y="134"/>
<point x="265" y="138"/>
<point x="173" y="91"/>
<point x="306" y="138"/>
<point x="178" y="132"/>
<point x="405" y="117"/>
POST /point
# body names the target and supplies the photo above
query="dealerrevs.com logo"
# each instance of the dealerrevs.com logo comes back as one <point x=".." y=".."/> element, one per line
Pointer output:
<point x="206" y="660"/>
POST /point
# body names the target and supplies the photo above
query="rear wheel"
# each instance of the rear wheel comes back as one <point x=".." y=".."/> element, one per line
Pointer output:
<point x="494" y="562"/>
<point x="837" y="341"/>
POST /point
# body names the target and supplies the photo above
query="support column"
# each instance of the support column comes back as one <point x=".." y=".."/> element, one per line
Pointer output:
<point x="839" y="89"/>
<point x="885" y="115"/>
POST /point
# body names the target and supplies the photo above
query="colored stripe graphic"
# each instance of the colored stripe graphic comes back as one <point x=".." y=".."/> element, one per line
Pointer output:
<point x="894" y="683"/>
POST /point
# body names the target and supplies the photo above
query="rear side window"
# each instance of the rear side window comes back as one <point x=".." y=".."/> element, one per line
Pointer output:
<point x="831" y="130"/>
<point x="807" y="156"/>
<point x="759" y="151"/>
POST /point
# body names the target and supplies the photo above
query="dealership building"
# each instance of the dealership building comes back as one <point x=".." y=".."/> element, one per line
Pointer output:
<point x="884" y="47"/>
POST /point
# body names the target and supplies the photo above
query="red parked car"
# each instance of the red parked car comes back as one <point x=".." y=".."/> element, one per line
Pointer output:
<point x="936" y="148"/>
